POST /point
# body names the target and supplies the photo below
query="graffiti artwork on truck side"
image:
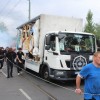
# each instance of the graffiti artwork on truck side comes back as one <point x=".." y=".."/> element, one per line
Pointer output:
<point x="27" y="39"/>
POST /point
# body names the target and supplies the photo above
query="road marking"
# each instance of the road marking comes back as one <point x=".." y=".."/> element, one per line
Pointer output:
<point x="4" y="74"/>
<point x="48" y="94"/>
<point x="25" y="94"/>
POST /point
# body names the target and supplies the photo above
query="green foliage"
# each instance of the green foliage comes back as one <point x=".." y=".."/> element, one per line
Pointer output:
<point x="89" y="27"/>
<point x="92" y="27"/>
<point x="3" y="27"/>
<point x="97" y="31"/>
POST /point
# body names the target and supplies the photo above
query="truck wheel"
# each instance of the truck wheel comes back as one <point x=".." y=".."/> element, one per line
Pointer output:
<point x="46" y="74"/>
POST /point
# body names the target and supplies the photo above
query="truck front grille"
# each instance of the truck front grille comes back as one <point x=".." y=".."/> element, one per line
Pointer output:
<point x="68" y="64"/>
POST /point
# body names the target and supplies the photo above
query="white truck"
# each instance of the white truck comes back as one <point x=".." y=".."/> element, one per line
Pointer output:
<point x="55" y="46"/>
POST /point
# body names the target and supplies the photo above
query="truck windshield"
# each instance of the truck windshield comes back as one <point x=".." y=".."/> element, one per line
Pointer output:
<point x="74" y="42"/>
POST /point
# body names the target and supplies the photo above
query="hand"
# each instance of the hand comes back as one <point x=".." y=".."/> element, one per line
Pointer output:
<point x="20" y="61"/>
<point x="78" y="91"/>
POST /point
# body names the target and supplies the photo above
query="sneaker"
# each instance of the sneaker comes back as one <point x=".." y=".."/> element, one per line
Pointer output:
<point x="7" y="76"/>
<point x="11" y="76"/>
<point x="18" y="73"/>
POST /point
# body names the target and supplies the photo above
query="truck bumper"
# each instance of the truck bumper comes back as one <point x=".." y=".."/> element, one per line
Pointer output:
<point x="63" y="75"/>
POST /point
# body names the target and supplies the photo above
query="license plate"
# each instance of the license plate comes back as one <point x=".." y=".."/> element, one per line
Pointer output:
<point x="76" y="72"/>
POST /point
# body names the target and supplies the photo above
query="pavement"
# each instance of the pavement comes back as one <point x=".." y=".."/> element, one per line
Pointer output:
<point x="28" y="87"/>
<point x="18" y="88"/>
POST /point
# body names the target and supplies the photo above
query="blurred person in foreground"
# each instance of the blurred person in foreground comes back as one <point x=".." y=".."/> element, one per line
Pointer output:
<point x="91" y="75"/>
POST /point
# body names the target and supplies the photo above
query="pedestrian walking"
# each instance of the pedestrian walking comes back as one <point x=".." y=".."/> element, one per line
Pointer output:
<point x="10" y="61"/>
<point x="91" y="75"/>
<point x="20" y="61"/>
<point x="1" y="58"/>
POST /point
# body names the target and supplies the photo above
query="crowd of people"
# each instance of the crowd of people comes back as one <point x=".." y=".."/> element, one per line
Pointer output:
<point x="11" y="57"/>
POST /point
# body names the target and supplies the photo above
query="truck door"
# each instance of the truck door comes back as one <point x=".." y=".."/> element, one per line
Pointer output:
<point x="50" y="54"/>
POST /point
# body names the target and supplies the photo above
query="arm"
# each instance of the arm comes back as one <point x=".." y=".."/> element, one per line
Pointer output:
<point x="78" y="83"/>
<point x="18" y="59"/>
<point x="23" y="56"/>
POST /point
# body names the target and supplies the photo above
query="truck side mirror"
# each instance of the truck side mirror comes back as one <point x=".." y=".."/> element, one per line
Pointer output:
<point x="48" y="40"/>
<point x="47" y="47"/>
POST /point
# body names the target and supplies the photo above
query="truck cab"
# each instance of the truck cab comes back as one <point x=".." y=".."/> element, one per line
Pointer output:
<point x="65" y="53"/>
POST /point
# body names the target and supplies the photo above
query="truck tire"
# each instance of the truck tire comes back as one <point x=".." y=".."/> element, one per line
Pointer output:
<point x="45" y="74"/>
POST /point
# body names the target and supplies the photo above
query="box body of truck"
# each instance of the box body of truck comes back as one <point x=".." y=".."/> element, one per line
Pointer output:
<point x="54" y="43"/>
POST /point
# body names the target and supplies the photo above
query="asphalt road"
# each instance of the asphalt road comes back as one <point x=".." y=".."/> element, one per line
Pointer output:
<point x="29" y="87"/>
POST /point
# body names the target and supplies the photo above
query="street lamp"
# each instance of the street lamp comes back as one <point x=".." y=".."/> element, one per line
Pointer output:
<point x="29" y="16"/>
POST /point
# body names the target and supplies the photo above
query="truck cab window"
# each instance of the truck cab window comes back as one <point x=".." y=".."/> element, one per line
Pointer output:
<point x="76" y="43"/>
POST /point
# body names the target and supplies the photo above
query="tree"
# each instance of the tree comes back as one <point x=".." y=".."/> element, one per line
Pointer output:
<point x="97" y="34"/>
<point x="89" y="27"/>
<point x="97" y="31"/>
<point x="3" y="27"/>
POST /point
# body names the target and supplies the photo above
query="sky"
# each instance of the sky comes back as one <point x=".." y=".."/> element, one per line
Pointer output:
<point x="15" y="12"/>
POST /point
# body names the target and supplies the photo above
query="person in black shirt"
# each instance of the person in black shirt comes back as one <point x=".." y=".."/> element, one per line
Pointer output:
<point x="10" y="60"/>
<point x="20" y="61"/>
<point x="14" y="55"/>
<point x="1" y="58"/>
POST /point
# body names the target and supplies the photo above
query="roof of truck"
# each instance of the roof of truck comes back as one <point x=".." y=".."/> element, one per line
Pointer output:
<point x="32" y="21"/>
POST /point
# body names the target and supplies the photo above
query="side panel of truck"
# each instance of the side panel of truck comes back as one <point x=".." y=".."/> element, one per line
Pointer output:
<point x="32" y="65"/>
